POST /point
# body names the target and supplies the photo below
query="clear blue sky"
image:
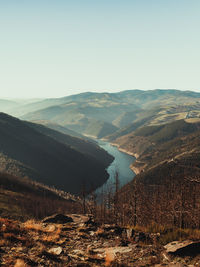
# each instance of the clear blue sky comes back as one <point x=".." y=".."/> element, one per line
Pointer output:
<point x="52" y="48"/>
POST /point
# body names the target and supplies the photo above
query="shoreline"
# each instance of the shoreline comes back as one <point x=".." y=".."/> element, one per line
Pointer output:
<point x="125" y="151"/>
<point x="136" y="170"/>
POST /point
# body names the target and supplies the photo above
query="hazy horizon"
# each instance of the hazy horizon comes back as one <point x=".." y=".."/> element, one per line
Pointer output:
<point x="58" y="48"/>
<point x="117" y="91"/>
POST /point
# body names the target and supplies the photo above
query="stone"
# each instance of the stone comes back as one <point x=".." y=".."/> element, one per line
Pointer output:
<point x="58" y="218"/>
<point x="56" y="251"/>
<point x="183" y="248"/>
<point x="79" y="219"/>
<point x="114" y="250"/>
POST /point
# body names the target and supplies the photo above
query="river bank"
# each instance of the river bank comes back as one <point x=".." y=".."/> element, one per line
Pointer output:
<point x="135" y="169"/>
<point x="121" y="165"/>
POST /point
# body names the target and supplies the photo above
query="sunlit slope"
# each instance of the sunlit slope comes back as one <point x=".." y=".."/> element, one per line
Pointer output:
<point x="101" y="114"/>
<point x="154" y="145"/>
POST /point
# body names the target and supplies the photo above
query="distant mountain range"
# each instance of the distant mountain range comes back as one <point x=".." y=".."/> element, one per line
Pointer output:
<point x="102" y="114"/>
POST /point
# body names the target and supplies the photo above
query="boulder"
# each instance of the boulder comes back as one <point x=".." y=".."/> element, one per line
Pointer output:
<point x="58" y="218"/>
<point x="183" y="248"/>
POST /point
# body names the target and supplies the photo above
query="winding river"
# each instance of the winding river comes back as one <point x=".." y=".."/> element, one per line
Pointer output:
<point x="121" y="165"/>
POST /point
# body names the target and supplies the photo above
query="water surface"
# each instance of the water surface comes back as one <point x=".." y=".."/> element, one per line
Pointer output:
<point x="121" y="165"/>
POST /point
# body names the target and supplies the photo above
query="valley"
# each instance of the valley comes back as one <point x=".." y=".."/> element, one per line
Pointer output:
<point x="100" y="133"/>
<point x="136" y="150"/>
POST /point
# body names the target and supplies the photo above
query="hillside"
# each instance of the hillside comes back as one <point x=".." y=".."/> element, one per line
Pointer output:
<point x="107" y="112"/>
<point x="165" y="190"/>
<point x="22" y="199"/>
<point x="152" y="144"/>
<point x="57" y="127"/>
<point x="28" y="152"/>
<point x="75" y="119"/>
<point x="83" y="146"/>
<point x="158" y="115"/>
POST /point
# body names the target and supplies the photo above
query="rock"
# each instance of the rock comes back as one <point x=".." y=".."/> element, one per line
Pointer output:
<point x="79" y="218"/>
<point x="114" y="250"/>
<point x="175" y="245"/>
<point x="56" y="251"/>
<point x="183" y="248"/>
<point x="58" y="218"/>
<point x="51" y="228"/>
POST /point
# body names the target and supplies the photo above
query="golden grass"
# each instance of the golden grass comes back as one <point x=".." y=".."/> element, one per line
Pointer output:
<point x="192" y="120"/>
<point x="52" y="237"/>
<point x="169" y="233"/>
<point x="20" y="263"/>
<point x="110" y="256"/>
<point x="32" y="225"/>
<point x="38" y="226"/>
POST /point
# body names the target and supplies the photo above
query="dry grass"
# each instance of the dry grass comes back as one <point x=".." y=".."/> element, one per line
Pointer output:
<point x="110" y="256"/>
<point x="31" y="234"/>
<point x="33" y="225"/>
<point x="20" y="263"/>
<point x="52" y="237"/>
<point x="169" y="233"/>
<point x="38" y="226"/>
<point x="43" y="233"/>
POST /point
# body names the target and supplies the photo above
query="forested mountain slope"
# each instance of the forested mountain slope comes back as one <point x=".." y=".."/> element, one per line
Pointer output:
<point x="22" y="198"/>
<point x="28" y="152"/>
<point x="166" y="188"/>
<point x="153" y="144"/>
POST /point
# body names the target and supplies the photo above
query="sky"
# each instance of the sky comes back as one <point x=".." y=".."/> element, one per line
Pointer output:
<point x="53" y="48"/>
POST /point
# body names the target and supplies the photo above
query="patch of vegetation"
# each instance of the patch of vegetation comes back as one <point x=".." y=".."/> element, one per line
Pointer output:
<point x="168" y="234"/>
<point x="22" y="199"/>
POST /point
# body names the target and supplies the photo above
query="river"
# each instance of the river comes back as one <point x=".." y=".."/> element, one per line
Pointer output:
<point x="121" y="165"/>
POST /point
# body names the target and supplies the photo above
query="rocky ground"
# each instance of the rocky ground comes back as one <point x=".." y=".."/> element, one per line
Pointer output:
<point x="76" y="240"/>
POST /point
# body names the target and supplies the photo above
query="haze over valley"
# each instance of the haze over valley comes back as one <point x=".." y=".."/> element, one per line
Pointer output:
<point x="99" y="133"/>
